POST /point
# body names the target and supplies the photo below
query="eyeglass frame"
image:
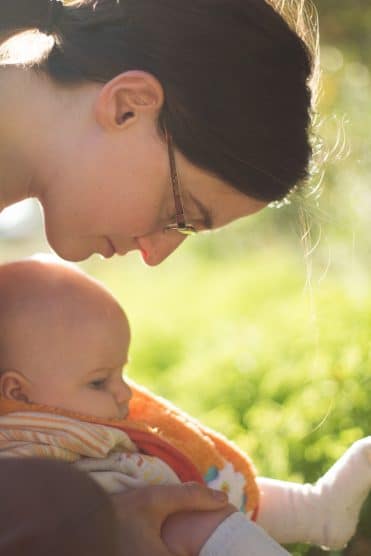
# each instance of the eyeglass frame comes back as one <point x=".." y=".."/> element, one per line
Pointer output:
<point x="180" y="225"/>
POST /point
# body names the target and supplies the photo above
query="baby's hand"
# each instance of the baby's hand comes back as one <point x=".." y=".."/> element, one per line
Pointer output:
<point x="185" y="533"/>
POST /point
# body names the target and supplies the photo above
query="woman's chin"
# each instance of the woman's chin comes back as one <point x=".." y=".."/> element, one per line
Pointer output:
<point x="75" y="253"/>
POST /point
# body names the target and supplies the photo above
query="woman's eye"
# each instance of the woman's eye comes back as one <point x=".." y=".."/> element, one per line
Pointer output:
<point x="98" y="384"/>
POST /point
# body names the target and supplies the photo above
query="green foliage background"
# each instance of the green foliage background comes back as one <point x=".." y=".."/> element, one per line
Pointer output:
<point x="262" y="335"/>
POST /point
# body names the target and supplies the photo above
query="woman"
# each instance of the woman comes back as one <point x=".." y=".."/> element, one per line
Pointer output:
<point x="136" y="123"/>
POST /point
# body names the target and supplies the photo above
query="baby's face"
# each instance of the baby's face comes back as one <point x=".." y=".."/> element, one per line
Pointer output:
<point x="87" y="377"/>
<point x="70" y="347"/>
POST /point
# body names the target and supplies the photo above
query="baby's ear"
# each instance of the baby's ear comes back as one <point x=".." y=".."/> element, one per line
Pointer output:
<point x="13" y="386"/>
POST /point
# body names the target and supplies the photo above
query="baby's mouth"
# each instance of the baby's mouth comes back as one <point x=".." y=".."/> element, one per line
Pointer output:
<point x="123" y="413"/>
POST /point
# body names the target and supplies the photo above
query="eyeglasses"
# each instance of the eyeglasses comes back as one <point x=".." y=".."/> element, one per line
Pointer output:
<point x="180" y="224"/>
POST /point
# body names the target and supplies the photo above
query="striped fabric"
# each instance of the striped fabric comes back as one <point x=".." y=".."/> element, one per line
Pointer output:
<point x="35" y="434"/>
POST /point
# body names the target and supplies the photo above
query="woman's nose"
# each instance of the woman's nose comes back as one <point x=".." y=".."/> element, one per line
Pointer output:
<point x="159" y="245"/>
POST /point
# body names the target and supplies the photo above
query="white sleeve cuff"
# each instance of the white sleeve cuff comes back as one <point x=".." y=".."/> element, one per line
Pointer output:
<point x="239" y="536"/>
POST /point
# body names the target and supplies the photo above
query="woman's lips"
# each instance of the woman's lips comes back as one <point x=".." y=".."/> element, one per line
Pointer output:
<point x="119" y="250"/>
<point x="115" y="249"/>
<point x="142" y="250"/>
<point x="110" y="249"/>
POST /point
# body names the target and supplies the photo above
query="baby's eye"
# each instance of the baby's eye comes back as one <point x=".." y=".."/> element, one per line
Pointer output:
<point x="98" y="384"/>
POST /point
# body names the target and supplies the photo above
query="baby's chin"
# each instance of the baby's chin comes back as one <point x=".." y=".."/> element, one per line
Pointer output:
<point x="115" y="414"/>
<point x="119" y="414"/>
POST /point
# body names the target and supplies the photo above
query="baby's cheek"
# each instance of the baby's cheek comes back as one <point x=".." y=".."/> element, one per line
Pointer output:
<point x="104" y="406"/>
<point x="86" y="401"/>
<point x="43" y="394"/>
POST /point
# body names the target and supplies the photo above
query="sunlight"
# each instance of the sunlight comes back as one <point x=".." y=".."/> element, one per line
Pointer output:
<point x="18" y="219"/>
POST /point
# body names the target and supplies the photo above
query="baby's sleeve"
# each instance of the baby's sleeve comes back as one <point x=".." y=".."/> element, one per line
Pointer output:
<point x="241" y="537"/>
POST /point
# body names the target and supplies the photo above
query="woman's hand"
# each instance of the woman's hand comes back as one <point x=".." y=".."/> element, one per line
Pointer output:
<point x="142" y="512"/>
<point x="185" y="533"/>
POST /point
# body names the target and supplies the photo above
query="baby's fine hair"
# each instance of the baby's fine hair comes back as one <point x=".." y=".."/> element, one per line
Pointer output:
<point x="236" y="74"/>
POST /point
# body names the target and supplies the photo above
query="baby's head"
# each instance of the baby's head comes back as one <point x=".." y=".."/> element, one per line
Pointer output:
<point x="63" y="340"/>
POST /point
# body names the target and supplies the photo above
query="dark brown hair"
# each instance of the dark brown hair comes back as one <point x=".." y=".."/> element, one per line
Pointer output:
<point x="235" y="76"/>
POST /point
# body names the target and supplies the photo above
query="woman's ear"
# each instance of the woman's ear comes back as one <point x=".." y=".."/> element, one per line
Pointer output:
<point x="127" y="97"/>
<point x="13" y="386"/>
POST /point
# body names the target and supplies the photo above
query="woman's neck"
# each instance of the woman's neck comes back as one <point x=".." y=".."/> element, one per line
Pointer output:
<point x="29" y="102"/>
<point x="37" y="119"/>
<point x="15" y="178"/>
<point x="15" y="171"/>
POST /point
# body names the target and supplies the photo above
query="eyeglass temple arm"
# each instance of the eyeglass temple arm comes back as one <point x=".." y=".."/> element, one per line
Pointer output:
<point x="179" y="211"/>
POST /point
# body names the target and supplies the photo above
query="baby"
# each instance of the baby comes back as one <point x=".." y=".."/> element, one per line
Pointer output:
<point x="64" y="341"/>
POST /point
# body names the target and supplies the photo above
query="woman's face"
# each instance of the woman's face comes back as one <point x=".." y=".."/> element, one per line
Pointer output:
<point x="111" y="193"/>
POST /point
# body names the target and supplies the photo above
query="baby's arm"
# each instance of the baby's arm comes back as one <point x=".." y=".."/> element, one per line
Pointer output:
<point x="217" y="533"/>
<point x="326" y="513"/>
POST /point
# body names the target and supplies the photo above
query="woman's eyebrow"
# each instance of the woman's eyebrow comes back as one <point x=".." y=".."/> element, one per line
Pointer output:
<point x="206" y="215"/>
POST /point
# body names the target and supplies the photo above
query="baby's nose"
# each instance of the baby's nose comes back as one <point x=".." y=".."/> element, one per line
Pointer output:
<point x="123" y="392"/>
